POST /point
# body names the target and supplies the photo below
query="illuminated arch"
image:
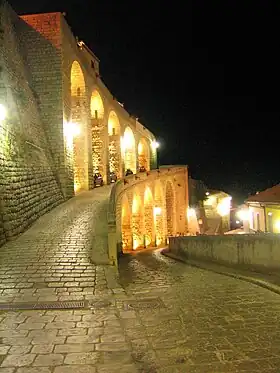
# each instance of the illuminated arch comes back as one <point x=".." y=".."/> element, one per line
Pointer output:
<point x="96" y="105"/>
<point x="148" y="217"/>
<point x="159" y="214"/>
<point x="126" y="225"/>
<point x="170" y="208"/>
<point x="79" y="123"/>
<point x="97" y="124"/>
<point x="137" y="221"/>
<point x="114" y="143"/>
<point x="129" y="151"/>
<point x="144" y="154"/>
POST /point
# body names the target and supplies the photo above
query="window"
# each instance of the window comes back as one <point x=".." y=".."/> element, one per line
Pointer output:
<point x="258" y="222"/>
<point x="253" y="220"/>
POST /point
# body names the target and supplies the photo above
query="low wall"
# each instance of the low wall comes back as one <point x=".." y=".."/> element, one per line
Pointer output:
<point x="250" y="251"/>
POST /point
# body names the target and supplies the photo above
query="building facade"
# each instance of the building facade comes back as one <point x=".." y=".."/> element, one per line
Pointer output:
<point x="264" y="211"/>
<point x="61" y="123"/>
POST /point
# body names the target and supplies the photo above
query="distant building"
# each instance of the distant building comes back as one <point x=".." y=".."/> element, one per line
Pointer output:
<point x="264" y="210"/>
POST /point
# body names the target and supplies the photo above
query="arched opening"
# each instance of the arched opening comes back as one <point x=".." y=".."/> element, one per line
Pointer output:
<point x="97" y="125"/>
<point x="137" y="222"/>
<point x="148" y="218"/>
<point x="126" y="225"/>
<point x="76" y="130"/>
<point x="170" y="209"/>
<point x="158" y="215"/>
<point x="144" y="154"/>
<point x="114" y="144"/>
<point x="129" y="151"/>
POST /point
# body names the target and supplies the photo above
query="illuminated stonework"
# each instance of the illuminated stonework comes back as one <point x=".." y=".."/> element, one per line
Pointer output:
<point x="144" y="154"/>
<point x="98" y="133"/>
<point x="114" y="144"/>
<point x="129" y="150"/>
<point x="137" y="222"/>
<point x="78" y="119"/>
<point x="148" y="217"/>
<point x="170" y="208"/>
<point x="126" y="225"/>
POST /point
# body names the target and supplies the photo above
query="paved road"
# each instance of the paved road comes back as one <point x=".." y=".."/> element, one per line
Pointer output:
<point x="209" y="322"/>
<point x="199" y="322"/>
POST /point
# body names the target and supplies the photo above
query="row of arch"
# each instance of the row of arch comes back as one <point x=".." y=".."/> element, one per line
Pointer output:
<point x="149" y="219"/>
<point x="105" y="140"/>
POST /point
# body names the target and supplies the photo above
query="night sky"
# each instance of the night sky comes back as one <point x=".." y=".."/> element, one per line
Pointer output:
<point x="203" y="75"/>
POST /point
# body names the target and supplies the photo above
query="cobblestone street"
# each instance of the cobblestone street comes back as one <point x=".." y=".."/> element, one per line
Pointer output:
<point x="156" y="316"/>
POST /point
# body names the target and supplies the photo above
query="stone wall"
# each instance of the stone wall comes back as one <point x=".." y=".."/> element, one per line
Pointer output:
<point x="28" y="180"/>
<point x="250" y="251"/>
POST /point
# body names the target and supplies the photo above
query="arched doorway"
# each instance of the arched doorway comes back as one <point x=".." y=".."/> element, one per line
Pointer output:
<point x="114" y="144"/>
<point x="144" y="154"/>
<point x="129" y="151"/>
<point x="148" y="218"/>
<point x="158" y="214"/>
<point x="97" y="125"/>
<point x="77" y="127"/>
<point x="126" y="225"/>
<point x="137" y="222"/>
<point x="170" y="209"/>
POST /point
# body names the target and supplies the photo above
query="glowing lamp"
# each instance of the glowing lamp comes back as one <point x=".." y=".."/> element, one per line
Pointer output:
<point x="223" y="207"/>
<point x="277" y="226"/>
<point x="191" y="213"/>
<point x="207" y="193"/>
<point x="3" y="112"/>
<point x="155" y="145"/>
<point x="157" y="211"/>
<point x="243" y="215"/>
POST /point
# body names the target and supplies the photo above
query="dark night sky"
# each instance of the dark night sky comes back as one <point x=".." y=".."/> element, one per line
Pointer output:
<point x="202" y="75"/>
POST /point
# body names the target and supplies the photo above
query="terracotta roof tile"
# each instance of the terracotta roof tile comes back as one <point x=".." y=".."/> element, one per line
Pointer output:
<point x="268" y="195"/>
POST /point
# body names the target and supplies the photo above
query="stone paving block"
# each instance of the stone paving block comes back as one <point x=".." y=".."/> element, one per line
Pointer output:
<point x="67" y="348"/>
<point x="75" y="331"/>
<point x="7" y="370"/>
<point x="18" y="360"/>
<point x="76" y="369"/>
<point x="60" y="325"/>
<point x="48" y="360"/>
<point x="112" y="346"/>
<point x="4" y="349"/>
<point x="112" y="337"/>
<point x="17" y="341"/>
<point x="113" y="368"/>
<point x="20" y="350"/>
<point x="62" y="317"/>
<point x="42" y="349"/>
<point x="31" y="326"/>
<point x="48" y="340"/>
<point x="93" y="338"/>
<point x="34" y="370"/>
<point x="82" y="358"/>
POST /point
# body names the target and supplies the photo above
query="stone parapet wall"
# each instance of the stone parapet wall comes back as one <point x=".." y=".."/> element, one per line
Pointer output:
<point x="250" y="251"/>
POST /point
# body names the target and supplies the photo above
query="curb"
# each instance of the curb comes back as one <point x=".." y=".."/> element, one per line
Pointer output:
<point x="252" y="280"/>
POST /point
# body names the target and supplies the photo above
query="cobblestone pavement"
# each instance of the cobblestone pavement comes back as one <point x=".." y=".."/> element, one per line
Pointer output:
<point x="208" y="322"/>
<point x="200" y="322"/>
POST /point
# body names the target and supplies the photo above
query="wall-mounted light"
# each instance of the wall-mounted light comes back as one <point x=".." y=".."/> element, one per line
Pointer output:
<point x="3" y="112"/>
<point x="155" y="145"/>
<point x="243" y="215"/>
<point x="157" y="211"/>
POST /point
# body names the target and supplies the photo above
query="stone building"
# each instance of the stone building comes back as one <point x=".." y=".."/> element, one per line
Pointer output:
<point x="61" y="123"/>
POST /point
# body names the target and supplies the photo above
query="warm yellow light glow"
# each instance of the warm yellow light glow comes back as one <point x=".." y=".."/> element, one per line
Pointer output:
<point x="96" y="106"/>
<point x="191" y="213"/>
<point x="243" y="215"/>
<point x="140" y="148"/>
<point x="157" y="211"/>
<point x="207" y="193"/>
<point x="277" y="226"/>
<point x="158" y="241"/>
<point x="71" y="130"/>
<point x="211" y="200"/>
<point x="136" y="204"/>
<point x="155" y="144"/>
<point x="270" y="213"/>
<point x="223" y="207"/>
<point x="77" y="187"/>
<point x="3" y="112"/>
<point x="136" y="244"/>
<point x="128" y="140"/>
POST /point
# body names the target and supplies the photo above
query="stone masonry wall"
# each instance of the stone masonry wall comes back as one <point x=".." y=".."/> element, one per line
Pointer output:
<point x="41" y="42"/>
<point x="28" y="181"/>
